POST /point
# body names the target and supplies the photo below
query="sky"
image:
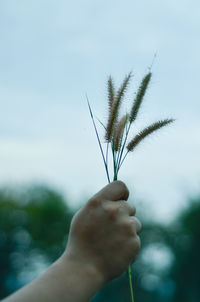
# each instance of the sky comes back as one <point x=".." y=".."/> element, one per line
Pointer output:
<point x="53" y="53"/>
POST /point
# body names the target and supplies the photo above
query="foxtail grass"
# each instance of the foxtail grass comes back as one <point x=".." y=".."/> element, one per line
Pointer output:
<point x="117" y="129"/>
<point x="114" y="105"/>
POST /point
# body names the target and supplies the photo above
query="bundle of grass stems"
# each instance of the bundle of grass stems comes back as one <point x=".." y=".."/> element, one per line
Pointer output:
<point x="118" y="128"/>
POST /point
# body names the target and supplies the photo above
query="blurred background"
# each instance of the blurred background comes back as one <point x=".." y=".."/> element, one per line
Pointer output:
<point x="52" y="54"/>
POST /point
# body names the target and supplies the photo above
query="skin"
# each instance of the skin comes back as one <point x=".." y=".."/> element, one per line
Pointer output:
<point x="92" y="256"/>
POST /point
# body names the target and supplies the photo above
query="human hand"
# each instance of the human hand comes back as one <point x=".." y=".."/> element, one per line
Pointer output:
<point x="102" y="243"/>
<point x="103" y="234"/>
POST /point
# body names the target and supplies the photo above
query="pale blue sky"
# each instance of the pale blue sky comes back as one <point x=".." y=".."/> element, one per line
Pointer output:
<point x="53" y="52"/>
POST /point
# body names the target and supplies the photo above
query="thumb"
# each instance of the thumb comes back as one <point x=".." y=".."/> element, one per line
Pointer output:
<point x="114" y="191"/>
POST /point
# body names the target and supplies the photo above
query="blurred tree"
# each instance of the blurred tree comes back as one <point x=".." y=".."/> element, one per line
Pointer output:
<point x="174" y="275"/>
<point x="34" y="223"/>
<point x="186" y="269"/>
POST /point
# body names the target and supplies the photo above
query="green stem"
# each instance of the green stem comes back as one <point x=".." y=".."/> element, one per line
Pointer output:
<point x="123" y="159"/>
<point x="114" y="162"/>
<point x="130" y="282"/>
<point x="129" y="268"/>
<point x="123" y="146"/>
<point x="99" y="142"/>
<point x="107" y="153"/>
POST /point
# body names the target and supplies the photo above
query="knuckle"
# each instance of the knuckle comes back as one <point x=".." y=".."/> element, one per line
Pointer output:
<point x="112" y="211"/>
<point x="94" y="201"/>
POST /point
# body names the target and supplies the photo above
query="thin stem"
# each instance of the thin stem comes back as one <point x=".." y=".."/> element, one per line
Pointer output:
<point x="99" y="142"/>
<point x="118" y="155"/>
<point x="107" y="153"/>
<point x="114" y="162"/>
<point x="100" y="122"/>
<point x="123" y="159"/>
<point x="130" y="282"/>
<point x="129" y="268"/>
<point x="122" y="149"/>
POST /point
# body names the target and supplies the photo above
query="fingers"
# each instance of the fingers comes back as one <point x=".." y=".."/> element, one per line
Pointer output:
<point x="125" y="207"/>
<point x="118" y="192"/>
<point x="136" y="224"/>
<point x="114" y="191"/>
<point x="118" y="209"/>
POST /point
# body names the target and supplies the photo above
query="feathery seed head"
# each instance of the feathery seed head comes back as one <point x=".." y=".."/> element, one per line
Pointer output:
<point x="119" y="131"/>
<point x="147" y="131"/>
<point x="113" y="114"/>
<point x="139" y="97"/>
<point x="111" y="93"/>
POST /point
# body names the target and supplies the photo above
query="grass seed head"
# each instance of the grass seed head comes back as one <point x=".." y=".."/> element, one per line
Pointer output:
<point x="119" y="131"/>
<point x="146" y="132"/>
<point x="139" y="97"/>
<point x="111" y="93"/>
<point x="114" y="113"/>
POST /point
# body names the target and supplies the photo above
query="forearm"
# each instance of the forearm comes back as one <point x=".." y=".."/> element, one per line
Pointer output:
<point x="64" y="281"/>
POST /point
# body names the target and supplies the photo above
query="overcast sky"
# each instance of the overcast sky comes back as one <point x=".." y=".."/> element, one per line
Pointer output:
<point x="54" y="52"/>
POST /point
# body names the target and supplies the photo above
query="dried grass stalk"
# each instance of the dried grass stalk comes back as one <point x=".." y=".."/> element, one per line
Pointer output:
<point x="147" y="131"/>
<point x="111" y="94"/>
<point x="113" y="114"/>
<point x="139" y="97"/>
<point x="119" y="131"/>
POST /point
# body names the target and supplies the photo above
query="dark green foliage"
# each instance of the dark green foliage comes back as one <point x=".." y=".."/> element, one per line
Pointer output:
<point x="37" y="219"/>
<point x="186" y="270"/>
<point x="33" y="220"/>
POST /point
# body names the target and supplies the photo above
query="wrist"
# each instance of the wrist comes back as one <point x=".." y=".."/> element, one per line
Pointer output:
<point x="83" y="275"/>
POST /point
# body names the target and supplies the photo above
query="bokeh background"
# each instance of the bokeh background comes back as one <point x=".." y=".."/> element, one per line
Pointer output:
<point x="52" y="54"/>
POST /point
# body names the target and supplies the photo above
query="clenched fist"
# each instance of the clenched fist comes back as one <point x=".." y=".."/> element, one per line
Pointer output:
<point x="104" y="232"/>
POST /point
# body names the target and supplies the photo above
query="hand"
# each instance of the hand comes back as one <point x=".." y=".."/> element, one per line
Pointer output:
<point x="103" y="233"/>
<point x="102" y="243"/>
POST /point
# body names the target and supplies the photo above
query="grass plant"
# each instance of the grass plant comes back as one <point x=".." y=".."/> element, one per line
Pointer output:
<point x="117" y="130"/>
